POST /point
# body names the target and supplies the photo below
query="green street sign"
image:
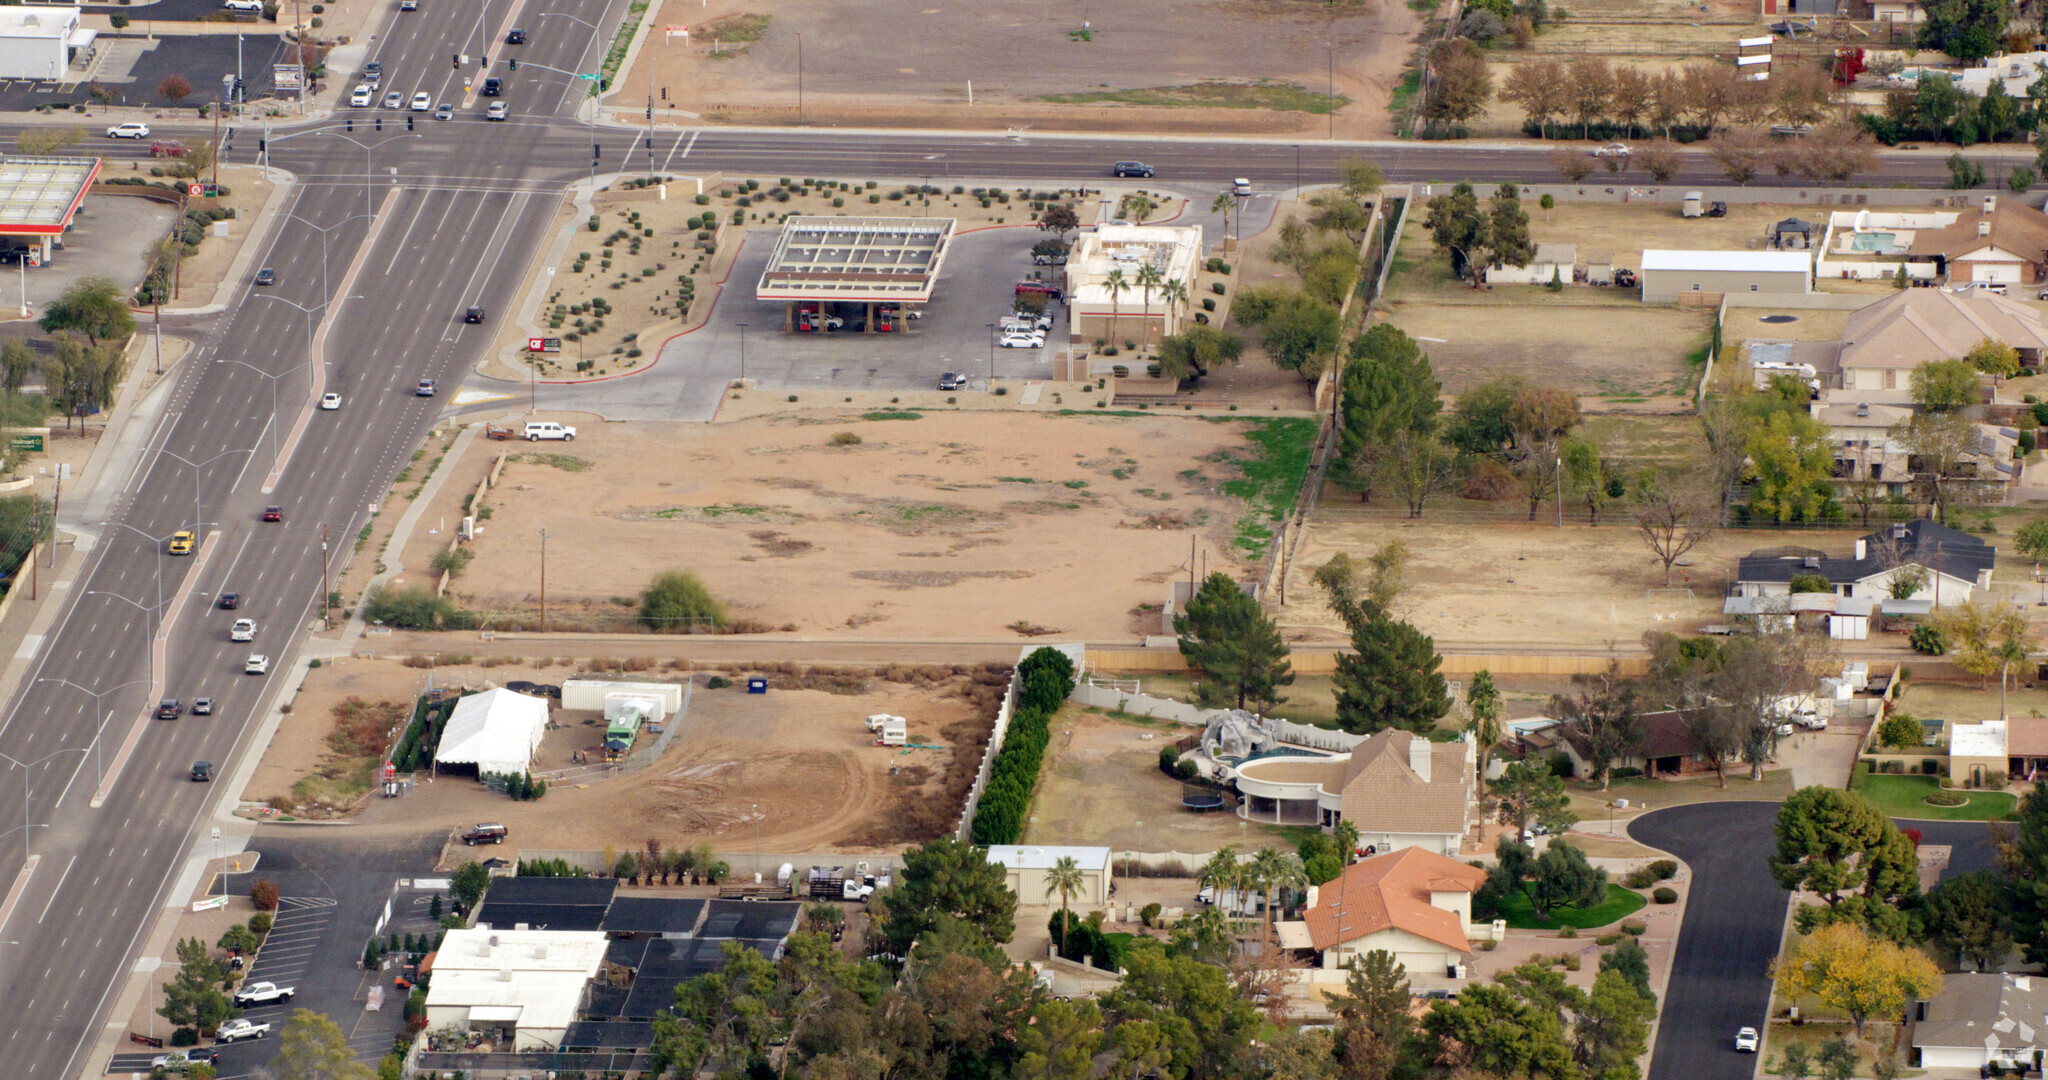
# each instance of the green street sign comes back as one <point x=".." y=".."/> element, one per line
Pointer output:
<point x="587" y="78"/>
<point x="28" y="444"/>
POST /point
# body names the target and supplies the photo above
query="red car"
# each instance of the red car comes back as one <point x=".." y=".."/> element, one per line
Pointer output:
<point x="273" y="513"/>
<point x="167" y="148"/>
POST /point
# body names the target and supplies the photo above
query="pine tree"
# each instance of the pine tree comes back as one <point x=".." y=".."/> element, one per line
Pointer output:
<point x="1390" y="678"/>
<point x="1389" y="388"/>
<point x="1224" y="632"/>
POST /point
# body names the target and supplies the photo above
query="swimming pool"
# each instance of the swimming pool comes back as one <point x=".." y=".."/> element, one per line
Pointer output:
<point x="1873" y="241"/>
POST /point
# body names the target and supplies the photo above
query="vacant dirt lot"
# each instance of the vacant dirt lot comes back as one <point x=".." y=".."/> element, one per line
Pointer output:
<point x="956" y="525"/>
<point x="1101" y="785"/>
<point x="1011" y="56"/>
<point x="801" y="756"/>
<point x="1536" y="584"/>
<point x="1631" y="355"/>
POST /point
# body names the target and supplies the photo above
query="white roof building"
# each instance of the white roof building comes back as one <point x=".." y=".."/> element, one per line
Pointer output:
<point x="497" y="731"/>
<point x="1028" y="863"/>
<point x="1175" y="251"/>
<point x="523" y="986"/>
<point x="35" y="42"/>
<point x="1667" y="273"/>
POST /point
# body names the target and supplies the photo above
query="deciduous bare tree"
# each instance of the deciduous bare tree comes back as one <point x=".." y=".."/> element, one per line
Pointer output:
<point x="1674" y="518"/>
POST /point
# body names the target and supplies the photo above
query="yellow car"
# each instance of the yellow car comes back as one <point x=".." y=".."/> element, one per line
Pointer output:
<point x="181" y="542"/>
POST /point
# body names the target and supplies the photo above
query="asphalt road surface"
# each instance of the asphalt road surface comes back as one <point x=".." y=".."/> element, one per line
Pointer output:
<point x="459" y="208"/>
<point x="1719" y="973"/>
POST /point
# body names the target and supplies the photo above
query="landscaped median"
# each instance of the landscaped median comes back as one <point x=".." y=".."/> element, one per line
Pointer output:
<point x="1907" y="797"/>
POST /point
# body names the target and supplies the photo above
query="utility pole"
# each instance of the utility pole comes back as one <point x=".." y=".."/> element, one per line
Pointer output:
<point x="799" y="77"/>
<point x="543" y="580"/>
<point x="216" y="138"/>
<point x="326" y="607"/>
<point x="299" y="29"/>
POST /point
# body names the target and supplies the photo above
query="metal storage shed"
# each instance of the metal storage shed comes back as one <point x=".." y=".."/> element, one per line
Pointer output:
<point x="1669" y="275"/>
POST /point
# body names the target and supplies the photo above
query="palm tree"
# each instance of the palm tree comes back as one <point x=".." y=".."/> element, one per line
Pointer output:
<point x="1221" y="872"/>
<point x="1347" y="839"/>
<point x="1176" y="292"/>
<point x="1149" y="278"/>
<point x="1223" y="205"/>
<point x="1273" y="869"/>
<point x="1115" y="285"/>
<point x="1064" y="878"/>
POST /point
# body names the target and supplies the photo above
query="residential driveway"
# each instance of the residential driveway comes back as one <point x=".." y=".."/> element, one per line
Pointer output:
<point x="1719" y="979"/>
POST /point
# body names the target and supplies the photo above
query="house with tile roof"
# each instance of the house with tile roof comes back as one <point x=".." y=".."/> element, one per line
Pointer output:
<point x="2002" y="242"/>
<point x="1413" y="903"/>
<point x="1884" y="342"/>
<point x="1397" y="788"/>
<point x="1992" y="1018"/>
<point x="1957" y="565"/>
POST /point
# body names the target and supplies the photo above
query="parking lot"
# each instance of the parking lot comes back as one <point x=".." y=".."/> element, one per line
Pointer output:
<point x="976" y="287"/>
<point x="334" y="892"/>
<point x="130" y="65"/>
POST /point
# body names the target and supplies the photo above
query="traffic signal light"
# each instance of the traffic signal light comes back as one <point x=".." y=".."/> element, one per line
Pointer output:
<point x="455" y="61"/>
<point x="262" y="146"/>
<point x="351" y="123"/>
<point x="604" y="82"/>
<point x="408" y="121"/>
<point x="380" y="124"/>
<point x="482" y="61"/>
<point x="514" y="62"/>
<point x="650" y="109"/>
<point x="593" y="153"/>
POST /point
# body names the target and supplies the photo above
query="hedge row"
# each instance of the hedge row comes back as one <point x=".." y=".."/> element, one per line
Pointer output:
<point x="423" y="735"/>
<point x="1044" y="680"/>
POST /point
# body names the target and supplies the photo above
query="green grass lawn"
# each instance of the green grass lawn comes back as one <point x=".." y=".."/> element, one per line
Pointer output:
<point x="1620" y="904"/>
<point x="1285" y="97"/>
<point x="1905" y="797"/>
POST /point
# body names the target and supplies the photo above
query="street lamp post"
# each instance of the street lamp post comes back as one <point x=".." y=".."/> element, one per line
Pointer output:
<point x="25" y="766"/>
<point x="1297" y="170"/>
<point x="198" y="518"/>
<point x="367" y="152"/>
<point x="596" y="86"/>
<point x="743" y="355"/>
<point x="99" y="699"/>
<point x="991" y="357"/>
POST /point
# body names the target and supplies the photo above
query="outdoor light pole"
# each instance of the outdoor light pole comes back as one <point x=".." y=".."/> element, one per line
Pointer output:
<point x="99" y="700"/>
<point x="991" y="357"/>
<point x="1297" y="170"/>
<point x="743" y="355"/>
<point x="25" y="766"/>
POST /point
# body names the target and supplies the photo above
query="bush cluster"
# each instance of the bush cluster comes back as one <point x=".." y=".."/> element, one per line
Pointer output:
<point x="522" y="787"/>
<point x="423" y="735"/>
<point x="1044" y="680"/>
<point x="1665" y="894"/>
<point x="1085" y="941"/>
<point x="1642" y="877"/>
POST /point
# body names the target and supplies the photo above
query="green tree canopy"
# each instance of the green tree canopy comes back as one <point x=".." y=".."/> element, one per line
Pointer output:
<point x="1836" y="845"/>
<point x="1969" y="914"/>
<point x="1792" y="459"/>
<point x="312" y="1047"/>
<point x="944" y="877"/>
<point x="1941" y="385"/>
<point x="1228" y="635"/>
<point x="1969" y="30"/>
<point x="678" y="602"/>
<point x="95" y="306"/>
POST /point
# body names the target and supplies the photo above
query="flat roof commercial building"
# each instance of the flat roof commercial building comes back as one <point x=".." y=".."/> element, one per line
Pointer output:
<point x="36" y="42"/>
<point x="1174" y="252"/>
<point x="524" y="987"/>
<point x="865" y="261"/>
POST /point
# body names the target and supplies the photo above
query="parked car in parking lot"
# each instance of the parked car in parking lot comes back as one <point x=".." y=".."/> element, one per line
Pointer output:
<point x="239" y="1029"/>
<point x="183" y="1060"/>
<point x="487" y="833"/>
<point x="1023" y="341"/>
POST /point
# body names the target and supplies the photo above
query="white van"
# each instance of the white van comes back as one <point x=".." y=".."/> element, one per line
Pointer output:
<point x="536" y="430"/>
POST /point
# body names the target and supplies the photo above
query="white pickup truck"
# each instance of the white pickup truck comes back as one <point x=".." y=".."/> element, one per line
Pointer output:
<point x="263" y="993"/>
<point x="536" y="430"/>
<point x="237" y="1030"/>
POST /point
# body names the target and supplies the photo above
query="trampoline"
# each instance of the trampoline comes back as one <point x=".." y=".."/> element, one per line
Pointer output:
<point x="1196" y="800"/>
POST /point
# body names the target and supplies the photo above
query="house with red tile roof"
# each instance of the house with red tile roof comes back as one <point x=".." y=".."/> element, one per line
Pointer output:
<point x="1413" y="903"/>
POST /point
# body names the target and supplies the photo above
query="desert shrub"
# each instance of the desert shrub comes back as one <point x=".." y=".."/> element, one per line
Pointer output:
<point x="1148" y="913"/>
<point x="846" y="438"/>
<point x="1635" y="927"/>
<point x="677" y="602"/>
<point x="1665" y="894"/>
<point x="1642" y="877"/>
<point x="413" y="609"/>
<point x="264" y="894"/>
<point x="1568" y="932"/>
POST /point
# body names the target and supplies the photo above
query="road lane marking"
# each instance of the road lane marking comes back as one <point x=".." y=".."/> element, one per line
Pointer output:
<point x="58" y="889"/>
<point x="159" y="655"/>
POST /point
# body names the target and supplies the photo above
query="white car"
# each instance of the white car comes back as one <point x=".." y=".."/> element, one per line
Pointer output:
<point x="498" y="111"/>
<point x="183" y="1060"/>
<point x="237" y="1030"/>
<point x="243" y="5"/>
<point x="421" y="102"/>
<point x="330" y="402"/>
<point x="1613" y="149"/>
<point x="258" y="664"/>
<point x="1023" y="341"/>
<point x="363" y="97"/>
<point x="243" y="630"/>
<point x="128" y="131"/>
<point x="1745" y="1041"/>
